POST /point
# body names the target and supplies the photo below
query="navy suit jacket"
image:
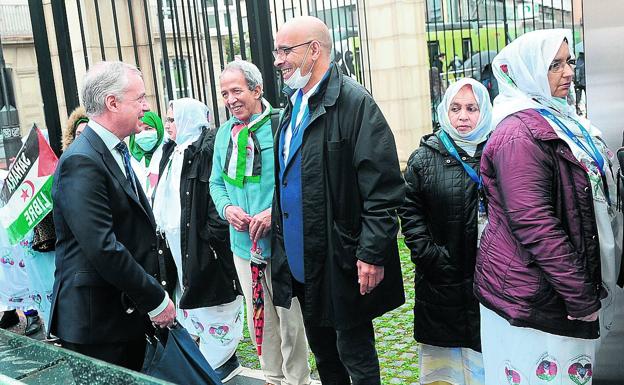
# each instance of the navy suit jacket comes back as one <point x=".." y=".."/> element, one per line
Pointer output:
<point x="105" y="250"/>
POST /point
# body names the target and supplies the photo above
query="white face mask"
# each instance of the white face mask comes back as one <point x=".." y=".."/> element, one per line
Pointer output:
<point x="146" y="139"/>
<point x="296" y="80"/>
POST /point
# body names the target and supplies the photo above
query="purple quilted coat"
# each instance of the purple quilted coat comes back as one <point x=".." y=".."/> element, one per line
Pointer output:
<point x="539" y="259"/>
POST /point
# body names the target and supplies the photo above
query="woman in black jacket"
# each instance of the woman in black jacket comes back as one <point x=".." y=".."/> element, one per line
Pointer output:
<point x="207" y="294"/>
<point x="441" y="220"/>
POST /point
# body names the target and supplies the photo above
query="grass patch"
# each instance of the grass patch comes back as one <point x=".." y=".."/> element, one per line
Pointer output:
<point x="397" y="350"/>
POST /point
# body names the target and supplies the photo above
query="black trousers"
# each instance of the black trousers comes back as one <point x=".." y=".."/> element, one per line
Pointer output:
<point x="342" y="354"/>
<point x="130" y="355"/>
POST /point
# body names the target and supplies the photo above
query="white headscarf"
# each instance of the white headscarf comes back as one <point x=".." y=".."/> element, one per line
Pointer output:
<point x="468" y="141"/>
<point x="190" y="116"/>
<point x="521" y="69"/>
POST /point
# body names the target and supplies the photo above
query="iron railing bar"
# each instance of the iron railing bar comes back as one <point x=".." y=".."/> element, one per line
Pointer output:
<point x="524" y="19"/>
<point x="370" y="73"/>
<point x="207" y="39"/>
<point x="533" y="7"/>
<point x="116" y="26"/>
<point x="194" y="42"/>
<point x="85" y="54"/>
<point x="99" y="27"/>
<point x="219" y="40"/>
<point x="163" y="46"/>
<point x="515" y="10"/>
<point x="573" y="28"/>
<point x="487" y="32"/>
<point x="275" y="14"/>
<point x="349" y="38"/>
<point x="429" y="64"/>
<point x="183" y="63"/>
<point x="489" y="58"/>
<point x="498" y="48"/>
<point x="241" y="32"/>
<point x="361" y="75"/>
<point x="188" y="49"/>
<point x="324" y="12"/>
<point x="353" y="9"/>
<point x="201" y="53"/>
<point x="230" y="33"/>
<point x="461" y="34"/>
<point x="133" y="33"/>
<point x="176" y="52"/>
<point x="452" y="59"/>
<point x="332" y="27"/>
<point x="151" y="51"/>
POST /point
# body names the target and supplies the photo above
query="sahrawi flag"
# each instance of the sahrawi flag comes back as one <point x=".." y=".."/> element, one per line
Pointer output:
<point x="26" y="195"/>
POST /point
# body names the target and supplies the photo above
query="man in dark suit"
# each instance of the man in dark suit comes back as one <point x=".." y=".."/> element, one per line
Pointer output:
<point x="107" y="270"/>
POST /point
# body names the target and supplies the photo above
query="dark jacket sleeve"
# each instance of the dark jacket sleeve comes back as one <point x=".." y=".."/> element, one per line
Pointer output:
<point x="215" y="228"/>
<point x="425" y="253"/>
<point x="84" y="201"/>
<point x="379" y="181"/>
<point x="525" y="184"/>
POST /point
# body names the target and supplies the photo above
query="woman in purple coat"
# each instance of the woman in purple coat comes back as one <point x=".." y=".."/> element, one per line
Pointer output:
<point x="547" y="259"/>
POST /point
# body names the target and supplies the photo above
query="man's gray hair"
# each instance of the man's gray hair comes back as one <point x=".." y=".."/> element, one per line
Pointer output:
<point x="252" y="74"/>
<point x="103" y="79"/>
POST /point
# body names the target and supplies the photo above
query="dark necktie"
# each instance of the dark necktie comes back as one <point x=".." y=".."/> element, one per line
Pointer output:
<point x="125" y="154"/>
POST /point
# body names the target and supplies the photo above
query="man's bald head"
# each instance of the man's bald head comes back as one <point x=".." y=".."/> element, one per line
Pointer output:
<point x="302" y="52"/>
<point x="309" y="28"/>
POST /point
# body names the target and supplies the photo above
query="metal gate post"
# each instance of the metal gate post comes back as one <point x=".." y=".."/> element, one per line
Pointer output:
<point x="46" y="80"/>
<point x="66" y="58"/>
<point x="261" y="44"/>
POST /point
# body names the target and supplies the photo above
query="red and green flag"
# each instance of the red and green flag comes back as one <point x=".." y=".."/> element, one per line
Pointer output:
<point x="26" y="195"/>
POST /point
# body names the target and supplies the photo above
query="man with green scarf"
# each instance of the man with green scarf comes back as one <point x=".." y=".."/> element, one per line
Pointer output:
<point x="241" y="186"/>
<point x="146" y="150"/>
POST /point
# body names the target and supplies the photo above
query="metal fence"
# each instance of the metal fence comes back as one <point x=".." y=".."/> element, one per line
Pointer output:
<point x="347" y="22"/>
<point x="463" y="36"/>
<point x="182" y="45"/>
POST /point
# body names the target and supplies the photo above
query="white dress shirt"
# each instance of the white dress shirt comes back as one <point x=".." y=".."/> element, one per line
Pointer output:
<point x="110" y="141"/>
<point x="302" y="110"/>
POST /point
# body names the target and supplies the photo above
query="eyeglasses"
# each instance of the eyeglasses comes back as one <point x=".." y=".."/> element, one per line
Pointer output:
<point x="169" y="120"/>
<point x="283" y="52"/>
<point x="558" y="66"/>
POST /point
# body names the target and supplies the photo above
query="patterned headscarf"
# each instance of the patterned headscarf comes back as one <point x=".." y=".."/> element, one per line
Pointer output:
<point x="521" y="69"/>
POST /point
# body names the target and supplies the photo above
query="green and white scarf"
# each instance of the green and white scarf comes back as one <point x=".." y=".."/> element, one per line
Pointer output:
<point x="243" y="161"/>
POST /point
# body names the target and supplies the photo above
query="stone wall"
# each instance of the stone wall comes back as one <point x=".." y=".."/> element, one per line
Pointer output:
<point x="399" y="68"/>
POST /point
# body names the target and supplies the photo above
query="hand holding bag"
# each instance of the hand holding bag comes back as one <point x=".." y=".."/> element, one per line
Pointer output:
<point x="172" y="355"/>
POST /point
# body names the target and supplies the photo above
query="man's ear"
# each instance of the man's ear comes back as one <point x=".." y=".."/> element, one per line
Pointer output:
<point x="316" y="50"/>
<point x="111" y="103"/>
<point x="257" y="92"/>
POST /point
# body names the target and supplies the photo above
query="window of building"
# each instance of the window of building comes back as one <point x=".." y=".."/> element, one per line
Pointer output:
<point x="466" y="48"/>
<point x="434" y="11"/>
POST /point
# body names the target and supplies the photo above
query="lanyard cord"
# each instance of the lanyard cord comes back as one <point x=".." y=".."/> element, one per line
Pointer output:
<point x="446" y="141"/>
<point x="594" y="153"/>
